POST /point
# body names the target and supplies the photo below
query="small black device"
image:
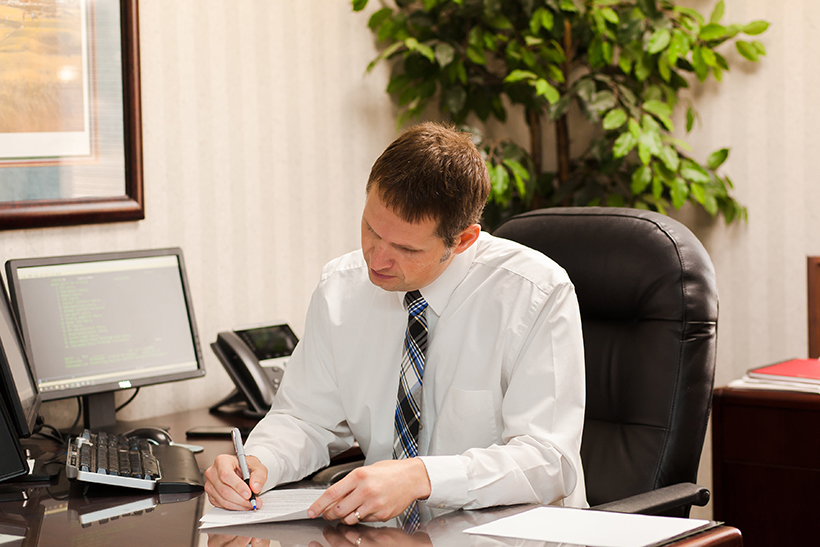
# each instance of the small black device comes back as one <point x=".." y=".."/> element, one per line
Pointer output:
<point x="17" y="382"/>
<point x="215" y="432"/>
<point x="19" y="399"/>
<point x="255" y="359"/>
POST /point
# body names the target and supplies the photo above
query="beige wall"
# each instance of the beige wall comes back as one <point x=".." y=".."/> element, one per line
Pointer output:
<point x="260" y="127"/>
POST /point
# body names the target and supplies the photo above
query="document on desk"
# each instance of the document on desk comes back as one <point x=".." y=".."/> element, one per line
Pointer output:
<point x="277" y="506"/>
<point x="590" y="528"/>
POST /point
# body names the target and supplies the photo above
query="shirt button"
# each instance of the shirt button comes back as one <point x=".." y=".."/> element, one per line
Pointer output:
<point x="441" y="506"/>
<point x="421" y="426"/>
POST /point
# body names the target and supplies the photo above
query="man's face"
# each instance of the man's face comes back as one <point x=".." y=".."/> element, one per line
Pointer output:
<point x="401" y="256"/>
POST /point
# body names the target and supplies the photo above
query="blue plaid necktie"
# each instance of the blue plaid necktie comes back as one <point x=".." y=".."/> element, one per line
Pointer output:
<point x="408" y="403"/>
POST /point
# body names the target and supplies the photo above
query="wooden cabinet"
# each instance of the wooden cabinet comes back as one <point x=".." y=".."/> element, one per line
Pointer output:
<point x="766" y="465"/>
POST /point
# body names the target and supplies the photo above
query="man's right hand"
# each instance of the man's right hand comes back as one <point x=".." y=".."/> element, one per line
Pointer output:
<point x="225" y="487"/>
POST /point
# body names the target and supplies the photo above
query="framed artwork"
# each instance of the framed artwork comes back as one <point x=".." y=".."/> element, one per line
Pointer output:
<point x="814" y="306"/>
<point x="70" y="118"/>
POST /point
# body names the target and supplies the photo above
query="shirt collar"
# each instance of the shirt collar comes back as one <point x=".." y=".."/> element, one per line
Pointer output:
<point x="437" y="294"/>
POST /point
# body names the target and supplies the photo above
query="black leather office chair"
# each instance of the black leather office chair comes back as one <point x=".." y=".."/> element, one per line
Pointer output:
<point x="649" y="306"/>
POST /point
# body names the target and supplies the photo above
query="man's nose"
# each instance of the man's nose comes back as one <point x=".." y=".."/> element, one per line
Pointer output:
<point x="380" y="258"/>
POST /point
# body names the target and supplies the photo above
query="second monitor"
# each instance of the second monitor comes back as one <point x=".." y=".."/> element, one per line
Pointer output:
<point x="96" y="324"/>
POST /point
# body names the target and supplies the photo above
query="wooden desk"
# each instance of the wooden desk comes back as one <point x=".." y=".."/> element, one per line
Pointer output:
<point x="66" y="514"/>
<point x="766" y="465"/>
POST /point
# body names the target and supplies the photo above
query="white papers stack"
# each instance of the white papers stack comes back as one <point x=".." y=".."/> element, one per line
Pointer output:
<point x="590" y="528"/>
<point x="277" y="506"/>
<point x="780" y="385"/>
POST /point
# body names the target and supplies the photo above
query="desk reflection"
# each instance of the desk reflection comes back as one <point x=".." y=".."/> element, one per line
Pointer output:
<point x="437" y="529"/>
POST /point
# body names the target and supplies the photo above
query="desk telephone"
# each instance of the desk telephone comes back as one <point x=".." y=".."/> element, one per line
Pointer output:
<point x="255" y="359"/>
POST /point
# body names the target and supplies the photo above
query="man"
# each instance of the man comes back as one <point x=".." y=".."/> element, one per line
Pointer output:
<point x="490" y="401"/>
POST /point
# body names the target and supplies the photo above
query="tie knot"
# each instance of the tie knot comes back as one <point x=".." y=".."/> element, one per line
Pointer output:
<point x="415" y="302"/>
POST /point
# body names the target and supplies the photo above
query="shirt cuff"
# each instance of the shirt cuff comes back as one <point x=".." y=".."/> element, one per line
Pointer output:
<point x="269" y="461"/>
<point x="448" y="481"/>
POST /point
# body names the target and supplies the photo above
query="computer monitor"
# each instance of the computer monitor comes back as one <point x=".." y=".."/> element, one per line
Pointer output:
<point x="95" y="324"/>
<point x="17" y="384"/>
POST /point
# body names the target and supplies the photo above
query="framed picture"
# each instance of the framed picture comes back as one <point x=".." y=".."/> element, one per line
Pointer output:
<point x="70" y="119"/>
<point x="814" y="306"/>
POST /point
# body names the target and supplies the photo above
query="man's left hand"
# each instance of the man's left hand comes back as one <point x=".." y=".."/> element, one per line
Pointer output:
<point x="375" y="492"/>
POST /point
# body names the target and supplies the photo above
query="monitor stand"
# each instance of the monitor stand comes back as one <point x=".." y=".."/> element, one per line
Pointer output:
<point x="100" y="414"/>
<point x="99" y="411"/>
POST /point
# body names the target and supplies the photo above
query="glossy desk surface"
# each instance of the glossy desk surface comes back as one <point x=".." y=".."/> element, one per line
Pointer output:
<point x="67" y="513"/>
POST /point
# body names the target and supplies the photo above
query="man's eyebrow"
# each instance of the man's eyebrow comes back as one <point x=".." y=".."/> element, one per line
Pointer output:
<point x="396" y="245"/>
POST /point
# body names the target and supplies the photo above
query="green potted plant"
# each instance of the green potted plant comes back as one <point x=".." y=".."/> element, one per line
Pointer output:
<point x="622" y="62"/>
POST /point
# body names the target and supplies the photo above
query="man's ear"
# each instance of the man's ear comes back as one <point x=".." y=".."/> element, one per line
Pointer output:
<point x="466" y="238"/>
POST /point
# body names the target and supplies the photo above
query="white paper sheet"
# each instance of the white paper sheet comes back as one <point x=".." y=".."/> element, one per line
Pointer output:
<point x="277" y="506"/>
<point x="773" y="385"/>
<point x="585" y="527"/>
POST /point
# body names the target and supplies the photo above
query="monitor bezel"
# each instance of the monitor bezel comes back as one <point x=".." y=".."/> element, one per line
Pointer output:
<point x="13" y="265"/>
<point x="24" y="419"/>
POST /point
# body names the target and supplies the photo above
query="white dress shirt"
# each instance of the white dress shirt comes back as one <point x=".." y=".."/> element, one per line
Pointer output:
<point x="503" y="391"/>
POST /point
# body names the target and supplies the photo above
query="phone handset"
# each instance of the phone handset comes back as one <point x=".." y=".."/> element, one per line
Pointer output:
<point x="260" y="390"/>
<point x="255" y="359"/>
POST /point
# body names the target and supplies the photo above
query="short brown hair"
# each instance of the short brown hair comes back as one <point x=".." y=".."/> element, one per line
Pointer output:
<point x="432" y="171"/>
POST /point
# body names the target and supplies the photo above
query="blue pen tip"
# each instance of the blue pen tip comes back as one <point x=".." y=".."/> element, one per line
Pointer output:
<point x="253" y="503"/>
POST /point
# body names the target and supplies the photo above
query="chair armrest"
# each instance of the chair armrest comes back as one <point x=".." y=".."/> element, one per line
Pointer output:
<point x="659" y="501"/>
<point x="334" y="473"/>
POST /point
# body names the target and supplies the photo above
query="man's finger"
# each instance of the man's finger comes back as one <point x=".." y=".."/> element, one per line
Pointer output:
<point x="259" y="474"/>
<point x="331" y="497"/>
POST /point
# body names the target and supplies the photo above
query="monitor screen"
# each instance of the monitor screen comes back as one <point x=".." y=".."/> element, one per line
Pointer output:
<point x="17" y="382"/>
<point x="104" y="322"/>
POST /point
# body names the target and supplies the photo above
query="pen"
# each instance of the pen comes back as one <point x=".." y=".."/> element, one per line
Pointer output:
<point x="243" y="464"/>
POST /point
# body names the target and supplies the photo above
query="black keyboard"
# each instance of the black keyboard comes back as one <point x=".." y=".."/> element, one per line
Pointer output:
<point x="106" y="458"/>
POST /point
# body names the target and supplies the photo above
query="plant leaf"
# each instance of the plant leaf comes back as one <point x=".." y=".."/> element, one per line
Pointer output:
<point x="610" y="15"/>
<point x="519" y="75"/>
<point x="756" y="27"/>
<point x="658" y="41"/>
<point x="641" y="179"/>
<point x="544" y="89"/>
<point x="717" y="158"/>
<point x="444" y="54"/>
<point x="455" y="98"/>
<point x="690" y="119"/>
<point x="712" y="31"/>
<point x="717" y="13"/>
<point x="623" y="145"/>
<point x="680" y="191"/>
<point x="359" y="5"/>
<point x="670" y="158"/>
<point x="378" y="18"/>
<point x="694" y="172"/>
<point x="614" y="119"/>
<point x="747" y="50"/>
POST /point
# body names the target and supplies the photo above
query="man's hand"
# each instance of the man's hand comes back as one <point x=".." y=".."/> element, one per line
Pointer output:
<point x="376" y="492"/>
<point x="225" y="487"/>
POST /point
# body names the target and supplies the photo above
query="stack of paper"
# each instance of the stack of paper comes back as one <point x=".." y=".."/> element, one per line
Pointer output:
<point x="792" y="375"/>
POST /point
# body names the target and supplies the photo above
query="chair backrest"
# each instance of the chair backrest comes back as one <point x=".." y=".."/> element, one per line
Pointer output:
<point x="648" y="297"/>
